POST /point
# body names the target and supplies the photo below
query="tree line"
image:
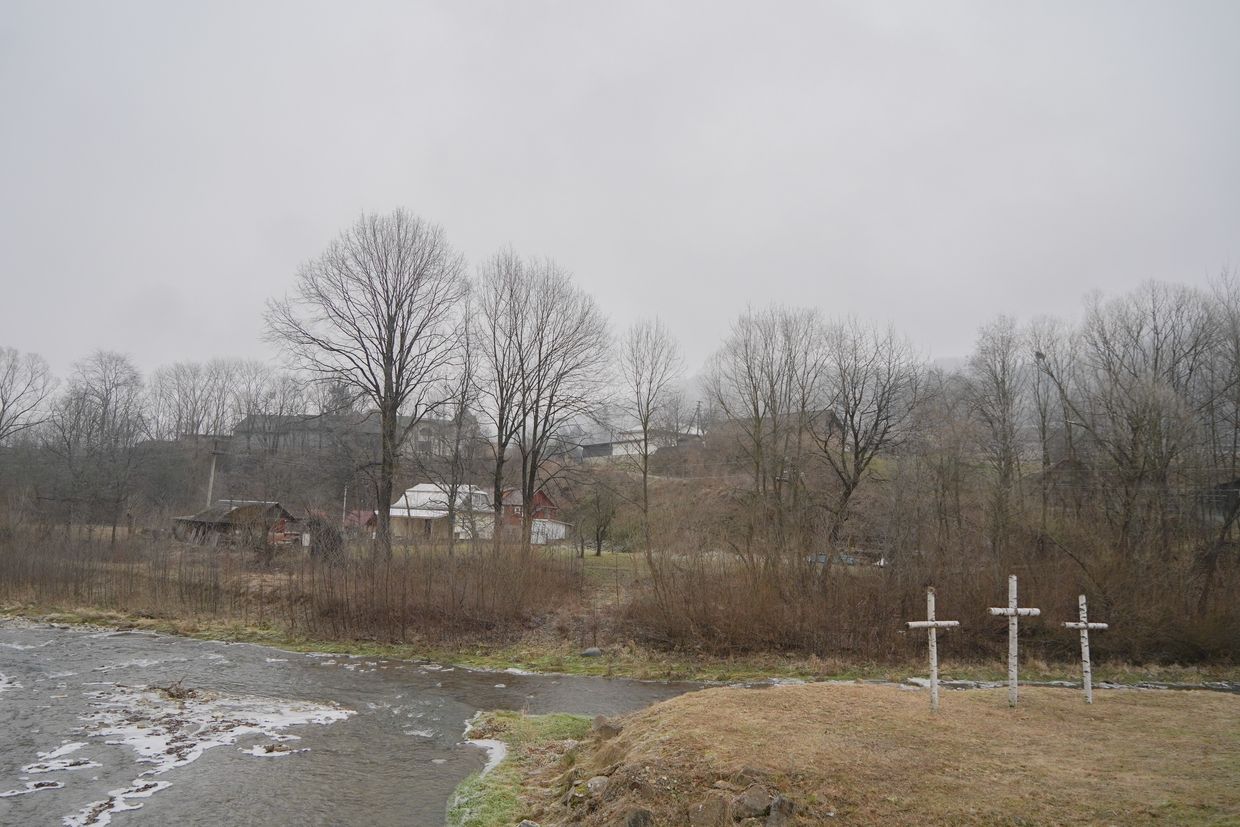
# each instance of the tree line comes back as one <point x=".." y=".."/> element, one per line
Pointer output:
<point x="1110" y="442"/>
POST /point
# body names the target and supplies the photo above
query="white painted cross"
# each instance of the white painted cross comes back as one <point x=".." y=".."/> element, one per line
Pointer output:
<point x="1012" y="612"/>
<point x="1087" y="675"/>
<point x="932" y="626"/>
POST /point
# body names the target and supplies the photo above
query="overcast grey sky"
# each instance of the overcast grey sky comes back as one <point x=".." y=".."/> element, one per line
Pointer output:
<point x="165" y="167"/>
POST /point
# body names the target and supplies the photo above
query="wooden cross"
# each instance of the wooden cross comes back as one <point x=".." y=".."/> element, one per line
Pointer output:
<point x="932" y="626"/>
<point x="1012" y="612"/>
<point x="1087" y="675"/>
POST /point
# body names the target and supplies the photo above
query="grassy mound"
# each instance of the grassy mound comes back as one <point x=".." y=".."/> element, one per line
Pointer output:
<point x="875" y="754"/>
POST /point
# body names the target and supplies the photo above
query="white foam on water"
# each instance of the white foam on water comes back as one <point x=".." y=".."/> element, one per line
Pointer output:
<point x="167" y="733"/>
<point x="137" y="663"/>
<point x="271" y="750"/>
<point x="7" y="683"/>
<point x="57" y="760"/>
<point x="33" y="787"/>
<point x="99" y="813"/>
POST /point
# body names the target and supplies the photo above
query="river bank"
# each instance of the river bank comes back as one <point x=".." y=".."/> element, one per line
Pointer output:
<point x="864" y="754"/>
<point x="539" y="651"/>
<point x="97" y="722"/>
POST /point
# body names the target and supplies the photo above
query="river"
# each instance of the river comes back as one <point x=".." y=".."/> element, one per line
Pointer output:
<point x="263" y="736"/>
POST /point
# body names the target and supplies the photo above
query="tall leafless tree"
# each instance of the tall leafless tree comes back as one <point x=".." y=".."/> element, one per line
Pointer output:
<point x="766" y="381"/>
<point x="374" y="312"/>
<point x="25" y="384"/>
<point x="94" y="431"/>
<point x="543" y="346"/>
<point x="650" y="365"/>
<point x="997" y="381"/>
<point x="872" y="380"/>
<point x="452" y="468"/>
<point x="503" y="296"/>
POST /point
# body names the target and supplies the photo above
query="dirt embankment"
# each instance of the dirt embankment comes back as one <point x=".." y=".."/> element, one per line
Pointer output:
<point x="856" y="754"/>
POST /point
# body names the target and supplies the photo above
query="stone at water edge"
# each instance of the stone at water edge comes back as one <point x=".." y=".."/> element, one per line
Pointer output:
<point x="754" y="801"/>
<point x="712" y="811"/>
<point x="592" y="652"/>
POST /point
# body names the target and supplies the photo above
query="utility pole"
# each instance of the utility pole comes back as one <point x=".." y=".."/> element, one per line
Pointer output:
<point x="211" y="479"/>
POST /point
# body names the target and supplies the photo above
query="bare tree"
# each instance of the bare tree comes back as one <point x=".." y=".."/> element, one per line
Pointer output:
<point x="997" y="380"/>
<point x="543" y="346"/>
<point x="374" y="313"/>
<point x="650" y="364"/>
<point x="453" y="468"/>
<point x="25" y="384"/>
<point x="94" y="432"/>
<point x="562" y="372"/>
<point x="766" y="381"/>
<point x="503" y="304"/>
<point x="872" y="381"/>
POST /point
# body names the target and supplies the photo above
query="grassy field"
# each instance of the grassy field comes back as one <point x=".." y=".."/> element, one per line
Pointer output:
<point x="853" y="754"/>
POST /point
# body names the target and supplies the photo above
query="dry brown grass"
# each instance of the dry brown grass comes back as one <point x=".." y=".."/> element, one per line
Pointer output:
<point x="875" y="754"/>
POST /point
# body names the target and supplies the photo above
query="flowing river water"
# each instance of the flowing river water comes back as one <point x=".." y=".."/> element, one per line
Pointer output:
<point x="264" y="737"/>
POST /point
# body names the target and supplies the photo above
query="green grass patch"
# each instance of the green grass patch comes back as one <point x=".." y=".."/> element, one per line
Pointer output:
<point x="495" y="799"/>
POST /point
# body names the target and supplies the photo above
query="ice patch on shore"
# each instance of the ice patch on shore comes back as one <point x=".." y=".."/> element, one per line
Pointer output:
<point x="497" y="751"/>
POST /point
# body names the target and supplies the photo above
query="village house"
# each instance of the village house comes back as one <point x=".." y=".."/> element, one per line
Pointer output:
<point x="237" y="522"/>
<point x="421" y="513"/>
<point x="629" y="444"/>
<point x="545" y="526"/>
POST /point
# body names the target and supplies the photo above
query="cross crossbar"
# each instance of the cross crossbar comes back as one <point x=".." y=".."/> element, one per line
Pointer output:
<point x="1016" y="612"/>
<point x="933" y="624"/>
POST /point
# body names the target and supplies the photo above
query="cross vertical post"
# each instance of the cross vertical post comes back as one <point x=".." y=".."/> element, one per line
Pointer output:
<point x="1013" y="612"/>
<point x="932" y="627"/>
<point x="1087" y="674"/>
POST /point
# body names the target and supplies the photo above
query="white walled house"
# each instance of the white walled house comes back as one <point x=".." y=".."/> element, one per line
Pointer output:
<point x="421" y="512"/>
